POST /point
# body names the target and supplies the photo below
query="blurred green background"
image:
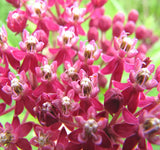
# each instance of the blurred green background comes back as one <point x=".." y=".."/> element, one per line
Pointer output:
<point x="149" y="15"/>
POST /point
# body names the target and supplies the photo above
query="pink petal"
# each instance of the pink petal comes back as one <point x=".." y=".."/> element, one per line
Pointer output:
<point x="119" y="85"/>
<point x="129" y="117"/>
<point x="15" y="122"/>
<point x="2" y="107"/>
<point x="24" y="144"/>
<point x="107" y="58"/>
<point x="24" y="129"/>
<point x="130" y="142"/>
<point x="121" y="129"/>
<point x="19" y="107"/>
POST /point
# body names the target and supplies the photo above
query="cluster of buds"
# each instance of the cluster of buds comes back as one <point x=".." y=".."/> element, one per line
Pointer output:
<point x="59" y="82"/>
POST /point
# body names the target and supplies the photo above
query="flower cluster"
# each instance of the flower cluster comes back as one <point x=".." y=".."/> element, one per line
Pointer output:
<point x="59" y="79"/>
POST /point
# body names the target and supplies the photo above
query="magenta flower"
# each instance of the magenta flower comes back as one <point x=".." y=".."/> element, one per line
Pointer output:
<point x="30" y="52"/>
<point x="138" y="82"/>
<point x="66" y="40"/>
<point x="74" y="16"/>
<point x="90" y="132"/>
<point x="147" y="126"/>
<point x="20" y="92"/>
<point x="12" y="136"/>
<point x="89" y="53"/>
<point x="44" y="138"/>
<point x="120" y="58"/>
<point x="71" y="72"/>
<point x="87" y="86"/>
<point x="48" y="77"/>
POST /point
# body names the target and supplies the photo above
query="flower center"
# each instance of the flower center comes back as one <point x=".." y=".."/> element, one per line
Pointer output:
<point x="142" y="76"/>
<point x="89" y="50"/>
<point x="46" y="106"/>
<point x="15" y="15"/>
<point x="76" y="13"/>
<point x="152" y="125"/>
<point x="90" y="126"/>
<point x="126" y="44"/>
<point x="67" y="37"/>
<point x="31" y="43"/>
<point x="72" y="73"/>
<point x="5" y="138"/>
<point x="39" y="7"/>
<point x="86" y="86"/>
<point x="66" y="101"/>
<point x="16" y="86"/>
<point x="47" y="71"/>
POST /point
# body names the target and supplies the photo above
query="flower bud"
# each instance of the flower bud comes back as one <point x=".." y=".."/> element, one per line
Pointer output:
<point x="129" y="27"/>
<point x="119" y="17"/>
<point x="113" y="100"/>
<point x="141" y="32"/>
<point x="142" y="48"/>
<point x="133" y="15"/>
<point x="117" y="28"/>
<point x="16" y="20"/>
<point x="157" y="74"/>
<point x="94" y="22"/>
<point x="98" y="3"/>
<point x="15" y="3"/>
<point x="102" y="81"/>
<point x="92" y="34"/>
<point x="105" y="23"/>
<point x="105" y="45"/>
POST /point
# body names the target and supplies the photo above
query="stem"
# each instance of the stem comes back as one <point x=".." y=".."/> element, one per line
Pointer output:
<point x="57" y="8"/>
<point x="25" y="117"/>
<point x="8" y="110"/>
<point x="115" y="118"/>
<point x="53" y="16"/>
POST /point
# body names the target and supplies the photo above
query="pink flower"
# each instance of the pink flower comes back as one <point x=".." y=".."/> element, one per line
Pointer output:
<point x="71" y="72"/>
<point x="74" y="17"/>
<point x="48" y="77"/>
<point x="12" y="136"/>
<point x="21" y="92"/>
<point x="44" y="138"/>
<point x="66" y="40"/>
<point x="90" y="132"/>
<point x="138" y="82"/>
<point x="89" y="53"/>
<point x="30" y="52"/>
<point x="121" y="58"/>
<point x="86" y="87"/>
<point x="67" y="37"/>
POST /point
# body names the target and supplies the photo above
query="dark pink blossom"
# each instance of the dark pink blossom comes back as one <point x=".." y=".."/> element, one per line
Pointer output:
<point x="12" y="136"/>
<point x="20" y="92"/>
<point x="90" y="132"/>
<point x="89" y="52"/>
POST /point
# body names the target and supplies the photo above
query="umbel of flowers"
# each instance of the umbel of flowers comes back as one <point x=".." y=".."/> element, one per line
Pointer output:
<point x="59" y="79"/>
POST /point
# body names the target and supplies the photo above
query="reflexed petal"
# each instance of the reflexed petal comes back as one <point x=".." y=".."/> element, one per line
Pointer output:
<point x="23" y="144"/>
<point x="121" y="129"/>
<point x="24" y="129"/>
<point x="129" y="117"/>
<point x="131" y="142"/>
